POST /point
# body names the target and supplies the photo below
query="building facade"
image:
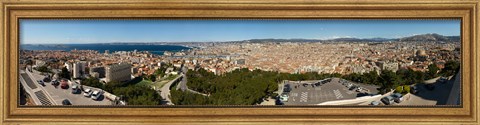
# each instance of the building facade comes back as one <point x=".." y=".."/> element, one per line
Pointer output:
<point x="100" y="70"/>
<point x="118" y="72"/>
<point x="79" y="69"/>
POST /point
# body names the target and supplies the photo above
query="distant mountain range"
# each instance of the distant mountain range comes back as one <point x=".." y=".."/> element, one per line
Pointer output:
<point x="431" y="37"/>
<point x="419" y="38"/>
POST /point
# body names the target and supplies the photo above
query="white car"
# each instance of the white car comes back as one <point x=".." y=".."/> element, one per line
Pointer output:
<point x="284" y="97"/>
<point x="87" y="93"/>
<point x="96" y="94"/>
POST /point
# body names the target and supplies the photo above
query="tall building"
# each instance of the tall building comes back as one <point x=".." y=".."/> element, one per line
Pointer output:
<point x="118" y="72"/>
<point x="79" y="69"/>
<point x="68" y="65"/>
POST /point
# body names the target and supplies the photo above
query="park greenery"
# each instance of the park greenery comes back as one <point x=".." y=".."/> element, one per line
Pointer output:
<point x="244" y="87"/>
<point x="134" y="92"/>
<point x="44" y="69"/>
<point x="239" y="87"/>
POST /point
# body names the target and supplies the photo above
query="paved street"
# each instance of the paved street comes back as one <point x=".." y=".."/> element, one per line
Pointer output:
<point x="183" y="84"/>
<point x="165" y="91"/>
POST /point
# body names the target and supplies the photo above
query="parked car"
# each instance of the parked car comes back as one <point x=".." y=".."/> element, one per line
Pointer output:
<point x="359" y="89"/>
<point x="66" y="102"/>
<point x="375" y="103"/>
<point x="388" y="100"/>
<point x="442" y="80"/>
<point x="413" y="89"/>
<point x="361" y="94"/>
<point x="353" y="88"/>
<point x="397" y="97"/>
<point x="87" y="93"/>
<point x="75" y="89"/>
<point x="55" y="83"/>
<point x="287" y="88"/>
<point x="305" y="84"/>
<point x="46" y="79"/>
<point x="64" y="84"/>
<point x="96" y="94"/>
<point x="284" y="97"/>
<point x="41" y="82"/>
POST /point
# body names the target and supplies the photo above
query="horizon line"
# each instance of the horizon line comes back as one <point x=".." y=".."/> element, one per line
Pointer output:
<point x="232" y="40"/>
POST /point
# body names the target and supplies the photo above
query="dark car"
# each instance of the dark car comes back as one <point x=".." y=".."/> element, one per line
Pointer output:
<point x="66" y="102"/>
<point x="442" y="80"/>
<point x="397" y="97"/>
<point x="430" y="86"/>
<point x="55" y="83"/>
<point x="46" y="79"/>
<point x="353" y="88"/>
<point x="413" y="89"/>
<point x="287" y="88"/>
<point x="361" y="94"/>
<point x="41" y="82"/>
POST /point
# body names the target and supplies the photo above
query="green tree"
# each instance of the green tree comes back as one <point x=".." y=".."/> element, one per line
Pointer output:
<point x="93" y="82"/>
<point x="451" y="68"/>
<point x="65" y="73"/>
<point x="161" y="71"/>
<point x="432" y="71"/>
<point x="138" y="95"/>
<point x="411" y="77"/>
<point x="44" y="69"/>
<point x="388" y="80"/>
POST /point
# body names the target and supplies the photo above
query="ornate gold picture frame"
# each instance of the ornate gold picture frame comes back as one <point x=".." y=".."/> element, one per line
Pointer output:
<point x="12" y="11"/>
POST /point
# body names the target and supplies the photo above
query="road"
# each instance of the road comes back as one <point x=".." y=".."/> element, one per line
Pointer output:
<point x="183" y="84"/>
<point x="165" y="91"/>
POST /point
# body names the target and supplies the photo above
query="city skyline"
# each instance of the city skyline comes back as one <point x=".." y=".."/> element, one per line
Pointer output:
<point x="110" y="31"/>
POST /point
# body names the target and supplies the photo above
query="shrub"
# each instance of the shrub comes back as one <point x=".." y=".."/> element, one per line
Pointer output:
<point x="399" y="89"/>
<point x="406" y="89"/>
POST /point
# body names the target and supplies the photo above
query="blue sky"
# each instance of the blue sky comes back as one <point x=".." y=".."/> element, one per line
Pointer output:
<point x="106" y="31"/>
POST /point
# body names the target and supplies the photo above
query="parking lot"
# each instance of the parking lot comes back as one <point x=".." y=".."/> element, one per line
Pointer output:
<point x="311" y="92"/>
<point x="58" y="94"/>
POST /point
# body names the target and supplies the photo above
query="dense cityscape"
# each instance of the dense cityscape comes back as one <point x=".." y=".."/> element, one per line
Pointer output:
<point x="251" y="72"/>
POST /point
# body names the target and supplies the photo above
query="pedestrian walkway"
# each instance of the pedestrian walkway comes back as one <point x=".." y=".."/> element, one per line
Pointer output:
<point x="338" y="94"/>
<point x="43" y="98"/>
<point x="304" y="97"/>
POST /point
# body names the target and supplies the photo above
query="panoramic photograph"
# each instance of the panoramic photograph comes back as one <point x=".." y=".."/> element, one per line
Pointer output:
<point x="289" y="62"/>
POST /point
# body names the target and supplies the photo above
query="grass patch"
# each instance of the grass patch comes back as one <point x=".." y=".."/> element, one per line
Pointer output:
<point x="170" y="77"/>
<point x="145" y="83"/>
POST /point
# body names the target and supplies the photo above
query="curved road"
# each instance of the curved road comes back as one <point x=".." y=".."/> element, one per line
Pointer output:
<point x="165" y="91"/>
<point x="183" y="84"/>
